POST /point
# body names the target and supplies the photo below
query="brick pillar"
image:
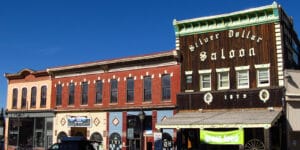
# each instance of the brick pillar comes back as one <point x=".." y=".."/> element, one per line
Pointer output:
<point x="124" y="130"/>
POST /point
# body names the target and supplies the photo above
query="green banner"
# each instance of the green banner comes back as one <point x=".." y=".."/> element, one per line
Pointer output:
<point x="234" y="137"/>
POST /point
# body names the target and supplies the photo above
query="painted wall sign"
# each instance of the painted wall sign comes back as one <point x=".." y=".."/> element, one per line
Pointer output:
<point x="235" y="137"/>
<point x="79" y="121"/>
<point x="222" y="53"/>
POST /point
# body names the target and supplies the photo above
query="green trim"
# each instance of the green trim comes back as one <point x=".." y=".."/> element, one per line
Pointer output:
<point x="239" y="19"/>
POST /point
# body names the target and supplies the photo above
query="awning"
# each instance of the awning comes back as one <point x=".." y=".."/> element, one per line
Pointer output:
<point x="236" y="118"/>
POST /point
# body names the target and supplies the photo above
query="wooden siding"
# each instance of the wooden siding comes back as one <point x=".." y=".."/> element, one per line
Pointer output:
<point x="246" y="46"/>
<point x="230" y="99"/>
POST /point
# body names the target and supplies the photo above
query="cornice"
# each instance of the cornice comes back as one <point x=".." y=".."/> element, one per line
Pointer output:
<point x="238" y="19"/>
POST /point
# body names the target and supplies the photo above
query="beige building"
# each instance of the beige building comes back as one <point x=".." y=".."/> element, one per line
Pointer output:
<point x="91" y="124"/>
<point x="29" y="119"/>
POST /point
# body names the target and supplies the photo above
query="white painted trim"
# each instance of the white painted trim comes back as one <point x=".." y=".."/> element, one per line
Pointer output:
<point x="262" y="66"/>
<point x="204" y="71"/>
<point x="188" y="72"/>
<point x="238" y="68"/>
<point x="222" y="69"/>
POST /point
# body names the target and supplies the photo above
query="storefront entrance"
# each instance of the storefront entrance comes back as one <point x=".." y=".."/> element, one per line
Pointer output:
<point x="79" y="131"/>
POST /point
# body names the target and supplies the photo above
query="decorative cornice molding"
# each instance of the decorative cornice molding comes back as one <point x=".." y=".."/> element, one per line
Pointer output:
<point x="238" y="19"/>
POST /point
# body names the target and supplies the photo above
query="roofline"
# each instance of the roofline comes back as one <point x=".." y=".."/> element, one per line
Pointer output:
<point x="238" y="19"/>
<point x="224" y="15"/>
<point x="113" y="61"/>
<point x="20" y="74"/>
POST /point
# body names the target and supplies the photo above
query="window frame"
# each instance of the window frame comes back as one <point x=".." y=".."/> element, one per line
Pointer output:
<point x="15" y="98"/>
<point x="166" y="87"/>
<point x="147" y="88"/>
<point x="130" y="90"/>
<point x="58" y="96"/>
<point x="84" y="93"/>
<point x="221" y="71"/>
<point x="113" y="91"/>
<point x="24" y="97"/>
<point x="33" y="97"/>
<point x="201" y="81"/>
<point x="71" y="92"/>
<point x="239" y="70"/>
<point x="43" y="96"/>
<point x="99" y="91"/>
<point x="259" y="68"/>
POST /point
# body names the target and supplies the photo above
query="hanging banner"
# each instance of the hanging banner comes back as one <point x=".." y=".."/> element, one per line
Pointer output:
<point x="235" y="137"/>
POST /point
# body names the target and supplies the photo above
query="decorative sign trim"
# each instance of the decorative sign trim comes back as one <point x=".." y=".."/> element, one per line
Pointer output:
<point x="264" y="95"/>
<point x="208" y="98"/>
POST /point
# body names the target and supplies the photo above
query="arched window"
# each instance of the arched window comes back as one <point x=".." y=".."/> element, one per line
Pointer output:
<point x="60" y="136"/>
<point x="97" y="137"/>
<point x="115" y="141"/>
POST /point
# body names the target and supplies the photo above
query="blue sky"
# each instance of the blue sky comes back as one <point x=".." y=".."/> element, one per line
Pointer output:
<point x="39" y="34"/>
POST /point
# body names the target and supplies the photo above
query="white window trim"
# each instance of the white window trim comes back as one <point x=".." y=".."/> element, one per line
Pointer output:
<point x="258" y="66"/>
<point x="188" y="72"/>
<point x="237" y="78"/>
<point x="257" y="78"/>
<point x="201" y="73"/>
<point x="242" y="68"/>
<point x="221" y="70"/>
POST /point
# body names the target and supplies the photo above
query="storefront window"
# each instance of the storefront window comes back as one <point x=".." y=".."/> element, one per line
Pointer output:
<point x="13" y="131"/>
<point x="39" y="132"/>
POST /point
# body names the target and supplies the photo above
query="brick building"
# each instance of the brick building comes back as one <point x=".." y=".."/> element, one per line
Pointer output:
<point x="116" y="102"/>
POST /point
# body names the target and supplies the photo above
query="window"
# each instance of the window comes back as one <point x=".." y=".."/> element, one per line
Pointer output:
<point x="58" y="94"/>
<point x="24" y="96"/>
<point x="205" y="80"/>
<point x="263" y="75"/>
<point x="99" y="91"/>
<point x="188" y="77"/>
<point x="39" y="132"/>
<point x="13" y="131"/>
<point x="243" y="79"/>
<point x="84" y="93"/>
<point x="113" y="91"/>
<point x="130" y="90"/>
<point x="147" y="88"/>
<point x="15" y="98"/>
<point x="223" y="78"/>
<point x="166" y="86"/>
<point x="71" y="93"/>
<point x="33" y="97"/>
<point x="43" y="96"/>
<point x="242" y="76"/>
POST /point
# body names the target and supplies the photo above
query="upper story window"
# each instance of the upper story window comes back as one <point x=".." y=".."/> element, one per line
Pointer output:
<point x="99" y="86"/>
<point x="113" y="91"/>
<point x="205" y="80"/>
<point x="24" y="98"/>
<point x="15" y="98"/>
<point x="58" y="94"/>
<point x="33" y="97"/>
<point x="242" y="76"/>
<point x="166" y="87"/>
<point x="188" y="77"/>
<point x="223" y="78"/>
<point x="263" y="75"/>
<point x="130" y="90"/>
<point x="43" y="95"/>
<point x="71" y="93"/>
<point x="84" y="93"/>
<point x="147" y="88"/>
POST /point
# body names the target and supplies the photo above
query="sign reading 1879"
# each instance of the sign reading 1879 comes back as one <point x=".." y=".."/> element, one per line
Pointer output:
<point x="223" y="53"/>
